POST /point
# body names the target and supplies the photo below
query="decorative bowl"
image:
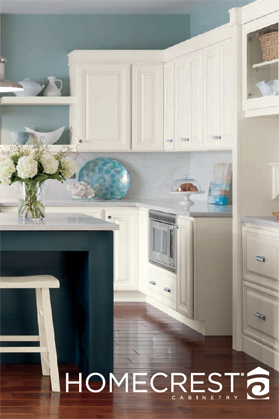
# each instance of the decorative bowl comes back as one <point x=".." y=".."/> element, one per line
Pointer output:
<point x="108" y="178"/>
<point x="20" y="137"/>
<point x="47" y="137"/>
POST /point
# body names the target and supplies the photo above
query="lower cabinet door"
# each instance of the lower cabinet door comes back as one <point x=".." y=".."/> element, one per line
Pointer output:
<point x="261" y="314"/>
<point x="125" y="247"/>
<point x="185" y="294"/>
<point x="161" y="286"/>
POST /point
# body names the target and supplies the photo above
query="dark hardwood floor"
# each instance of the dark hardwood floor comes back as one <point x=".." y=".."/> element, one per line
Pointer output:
<point x="146" y="341"/>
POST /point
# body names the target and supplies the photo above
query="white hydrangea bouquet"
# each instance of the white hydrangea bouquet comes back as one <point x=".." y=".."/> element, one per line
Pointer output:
<point x="31" y="166"/>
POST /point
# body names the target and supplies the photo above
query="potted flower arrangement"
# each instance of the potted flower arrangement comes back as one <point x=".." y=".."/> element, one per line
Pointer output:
<point x="31" y="166"/>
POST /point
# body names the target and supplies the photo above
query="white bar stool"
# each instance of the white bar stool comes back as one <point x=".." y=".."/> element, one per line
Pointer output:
<point x="47" y="348"/>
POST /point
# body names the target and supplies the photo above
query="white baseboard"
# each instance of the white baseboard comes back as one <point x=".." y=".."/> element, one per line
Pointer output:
<point x="261" y="352"/>
<point x="193" y="324"/>
<point x="129" y="297"/>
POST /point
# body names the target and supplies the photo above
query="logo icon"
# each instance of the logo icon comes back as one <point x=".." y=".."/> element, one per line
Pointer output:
<point x="258" y="384"/>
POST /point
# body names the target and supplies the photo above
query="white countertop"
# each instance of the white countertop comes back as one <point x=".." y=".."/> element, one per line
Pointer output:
<point x="267" y="221"/>
<point x="172" y="205"/>
<point x="56" y="222"/>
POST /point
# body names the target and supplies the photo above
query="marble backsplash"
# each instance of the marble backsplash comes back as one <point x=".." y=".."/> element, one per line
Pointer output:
<point x="151" y="173"/>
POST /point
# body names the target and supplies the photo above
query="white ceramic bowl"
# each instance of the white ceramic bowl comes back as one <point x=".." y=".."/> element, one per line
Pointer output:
<point x="47" y="137"/>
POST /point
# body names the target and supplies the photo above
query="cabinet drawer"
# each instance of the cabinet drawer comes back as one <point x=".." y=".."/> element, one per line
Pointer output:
<point x="260" y="259"/>
<point x="162" y="286"/>
<point x="260" y="315"/>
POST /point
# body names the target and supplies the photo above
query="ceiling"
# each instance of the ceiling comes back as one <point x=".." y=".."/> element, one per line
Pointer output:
<point x="100" y="6"/>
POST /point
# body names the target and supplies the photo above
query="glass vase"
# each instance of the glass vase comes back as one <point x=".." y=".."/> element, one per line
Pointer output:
<point x="31" y="201"/>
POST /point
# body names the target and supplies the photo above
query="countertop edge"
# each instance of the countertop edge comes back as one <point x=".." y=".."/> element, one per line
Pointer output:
<point x="261" y="221"/>
<point x="135" y="204"/>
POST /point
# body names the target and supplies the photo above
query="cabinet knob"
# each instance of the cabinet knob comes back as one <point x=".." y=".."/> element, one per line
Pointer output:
<point x="260" y="259"/>
<point x="169" y="140"/>
<point x="260" y="315"/>
<point x="167" y="289"/>
<point x="152" y="282"/>
<point x="109" y="217"/>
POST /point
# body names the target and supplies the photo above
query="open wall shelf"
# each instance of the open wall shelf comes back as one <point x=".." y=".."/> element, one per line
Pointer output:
<point x="37" y="100"/>
<point x="273" y="63"/>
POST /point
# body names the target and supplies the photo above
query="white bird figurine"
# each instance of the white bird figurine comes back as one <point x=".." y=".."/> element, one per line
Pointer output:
<point x="47" y="137"/>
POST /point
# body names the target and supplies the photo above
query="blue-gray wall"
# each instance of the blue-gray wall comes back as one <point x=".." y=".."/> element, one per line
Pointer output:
<point x="214" y="14"/>
<point x="36" y="46"/>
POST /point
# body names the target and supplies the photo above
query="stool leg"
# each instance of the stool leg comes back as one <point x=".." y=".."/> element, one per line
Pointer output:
<point x="42" y="332"/>
<point x="54" y="374"/>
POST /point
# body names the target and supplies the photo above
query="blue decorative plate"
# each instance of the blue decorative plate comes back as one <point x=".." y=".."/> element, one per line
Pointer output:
<point x="108" y="178"/>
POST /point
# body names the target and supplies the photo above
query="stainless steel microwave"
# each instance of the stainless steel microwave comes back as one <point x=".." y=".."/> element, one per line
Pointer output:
<point x="163" y="240"/>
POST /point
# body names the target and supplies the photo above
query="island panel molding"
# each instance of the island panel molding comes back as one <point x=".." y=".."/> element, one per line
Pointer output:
<point x="83" y="316"/>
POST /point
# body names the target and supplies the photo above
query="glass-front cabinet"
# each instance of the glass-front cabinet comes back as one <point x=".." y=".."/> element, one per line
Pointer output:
<point x="261" y="66"/>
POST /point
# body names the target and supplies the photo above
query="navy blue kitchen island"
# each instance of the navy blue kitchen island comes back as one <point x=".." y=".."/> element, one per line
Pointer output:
<point x="78" y="250"/>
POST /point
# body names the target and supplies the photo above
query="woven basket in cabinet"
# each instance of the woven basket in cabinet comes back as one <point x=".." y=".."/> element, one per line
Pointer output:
<point x="269" y="41"/>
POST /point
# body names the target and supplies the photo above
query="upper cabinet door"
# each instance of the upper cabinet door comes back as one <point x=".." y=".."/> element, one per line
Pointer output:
<point x="169" y="105"/>
<point x="181" y="106"/>
<point x="147" y="107"/>
<point x="227" y="99"/>
<point x="107" y="106"/>
<point x="188" y="102"/>
<point x="218" y="88"/>
<point x="212" y="95"/>
<point x="194" y="95"/>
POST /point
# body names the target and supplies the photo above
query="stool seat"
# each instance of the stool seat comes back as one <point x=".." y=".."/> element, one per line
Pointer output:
<point x="36" y="281"/>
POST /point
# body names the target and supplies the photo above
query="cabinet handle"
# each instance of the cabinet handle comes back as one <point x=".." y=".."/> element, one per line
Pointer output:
<point x="169" y="141"/>
<point x="185" y="139"/>
<point x="260" y="315"/>
<point x="152" y="282"/>
<point x="167" y="289"/>
<point x="216" y="137"/>
<point x="109" y="217"/>
<point x="260" y="259"/>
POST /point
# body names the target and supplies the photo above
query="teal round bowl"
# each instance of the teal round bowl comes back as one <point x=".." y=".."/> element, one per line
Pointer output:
<point x="20" y="137"/>
<point x="108" y="178"/>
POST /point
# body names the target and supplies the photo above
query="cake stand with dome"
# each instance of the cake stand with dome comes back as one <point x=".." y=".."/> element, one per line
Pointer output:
<point x="184" y="188"/>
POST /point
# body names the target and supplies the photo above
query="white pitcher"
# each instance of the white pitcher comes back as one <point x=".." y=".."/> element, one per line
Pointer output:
<point x="52" y="89"/>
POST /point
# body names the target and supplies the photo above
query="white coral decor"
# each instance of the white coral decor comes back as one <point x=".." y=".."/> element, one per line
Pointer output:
<point x="69" y="168"/>
<point x="49" y="163"/>
<point x="27" y="167"/>
<point x="7" y="168"/>
<point x="80" y="190"/>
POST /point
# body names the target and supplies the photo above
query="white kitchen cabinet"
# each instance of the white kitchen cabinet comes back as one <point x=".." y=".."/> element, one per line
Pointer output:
<point x="125" y="247"/>
<point x="102" y="119"/>
<point x="218" y="103"/>
<point x="185" y="272"/>
<point x="260" y="297"/>
<point x="147" y="107"/>
<point x="188" y="102"/>
<point x="227" y="101"/>
<point x="254" y="68"/>
<point x="169" y="105"/>
<point x="162" y="286"/>
<point x="199" y="114"/>
<point x="260" y="293"/>
<point x="201" y="288"/>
